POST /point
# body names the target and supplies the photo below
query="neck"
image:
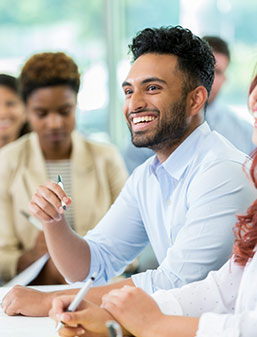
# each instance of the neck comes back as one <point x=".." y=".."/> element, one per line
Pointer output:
<point x="163" y="152"/>
<point x="165" y="149"/>
<point x="58" y="153"/>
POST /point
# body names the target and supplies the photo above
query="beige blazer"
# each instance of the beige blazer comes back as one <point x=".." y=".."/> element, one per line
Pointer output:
<point x="98" y="175"/>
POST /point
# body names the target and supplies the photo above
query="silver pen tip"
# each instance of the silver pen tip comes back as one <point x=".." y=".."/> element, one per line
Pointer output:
<point x="24" y="214"/>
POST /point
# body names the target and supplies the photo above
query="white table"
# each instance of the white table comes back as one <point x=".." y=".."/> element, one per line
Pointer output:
<point x="20" y="326"/>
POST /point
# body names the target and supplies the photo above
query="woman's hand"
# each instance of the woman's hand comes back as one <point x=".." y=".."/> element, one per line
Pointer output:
<point x="134" y="309"/>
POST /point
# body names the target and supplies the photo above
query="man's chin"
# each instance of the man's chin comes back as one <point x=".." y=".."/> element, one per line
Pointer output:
<point x="141" y="143"/>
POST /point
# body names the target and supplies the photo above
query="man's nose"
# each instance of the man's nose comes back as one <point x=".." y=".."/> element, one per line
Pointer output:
<point x="137" y="102"/>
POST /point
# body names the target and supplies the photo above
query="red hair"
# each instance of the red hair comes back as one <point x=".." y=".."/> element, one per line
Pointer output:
<point x="246" y="228"/>
<point x="253" y="85"/>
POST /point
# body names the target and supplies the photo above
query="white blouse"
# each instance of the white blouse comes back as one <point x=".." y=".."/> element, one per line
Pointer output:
<point x="226" y="301"/>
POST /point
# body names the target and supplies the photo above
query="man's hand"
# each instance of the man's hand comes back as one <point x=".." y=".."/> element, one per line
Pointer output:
<point x="46" y="205"/>
<point x="133" y="308"/>
<point x="28" y="302"/>
<point x="88" y="320"/>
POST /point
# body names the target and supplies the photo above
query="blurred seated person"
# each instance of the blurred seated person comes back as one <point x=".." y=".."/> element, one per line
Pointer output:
<point x="13" y="123"/>
<point x="93" y="174"/>
<point x="222" y="305"/>
<point x="219" y="117"/>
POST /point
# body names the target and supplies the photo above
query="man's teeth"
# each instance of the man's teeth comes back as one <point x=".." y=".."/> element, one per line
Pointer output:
<point x="142" y="119"/>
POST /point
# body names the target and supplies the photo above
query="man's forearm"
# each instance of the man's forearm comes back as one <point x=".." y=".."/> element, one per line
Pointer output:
<point x="95" y="294"/>
<point x="70" y="252"/>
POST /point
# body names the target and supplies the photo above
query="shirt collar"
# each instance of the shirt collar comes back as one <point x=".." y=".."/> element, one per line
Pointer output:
<point x="180" y="159"/>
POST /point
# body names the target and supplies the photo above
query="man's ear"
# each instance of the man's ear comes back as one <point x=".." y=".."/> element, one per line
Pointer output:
<point x="196" y="100"/>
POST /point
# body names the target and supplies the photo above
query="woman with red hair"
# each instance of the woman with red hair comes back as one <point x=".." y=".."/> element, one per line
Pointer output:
<point x="224" y="304"/>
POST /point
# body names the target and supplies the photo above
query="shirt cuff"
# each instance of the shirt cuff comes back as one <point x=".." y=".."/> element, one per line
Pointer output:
<point x="167" y="304"/>
<point x="218" y="325"/>
<point x="95" y="267"/>
<point x="144" y="281"/>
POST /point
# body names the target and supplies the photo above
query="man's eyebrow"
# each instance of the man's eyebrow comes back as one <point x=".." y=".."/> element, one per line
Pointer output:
<point x="153" y="79"/>
<point x="125" y="83"/>
<point x="147" y="80"/>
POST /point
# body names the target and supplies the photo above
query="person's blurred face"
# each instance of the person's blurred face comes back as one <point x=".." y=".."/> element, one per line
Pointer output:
<point x="252" y="103"/>
<point x="51" y="113"/>
<point x="12" y="115"/>
<point x="221" y="65"/>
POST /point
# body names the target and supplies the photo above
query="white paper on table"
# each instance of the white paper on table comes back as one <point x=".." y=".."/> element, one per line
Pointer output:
<point x="30" y="273"/>
<point x="21" y="326"/>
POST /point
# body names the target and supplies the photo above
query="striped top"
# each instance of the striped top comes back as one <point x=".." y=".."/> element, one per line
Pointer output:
<point x="63" y="168"/>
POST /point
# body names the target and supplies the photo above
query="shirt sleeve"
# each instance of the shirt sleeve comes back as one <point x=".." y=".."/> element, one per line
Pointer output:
<point x="204" y="240"/>
<point x="228" y="325"/>
<point x="118" y="238"/>
<point x="217" y="293"/>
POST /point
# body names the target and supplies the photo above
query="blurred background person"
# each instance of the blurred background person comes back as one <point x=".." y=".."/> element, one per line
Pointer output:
<point x="219" y="116"/>
<point x="93" y="174"/>
<point x="13" y="121"/>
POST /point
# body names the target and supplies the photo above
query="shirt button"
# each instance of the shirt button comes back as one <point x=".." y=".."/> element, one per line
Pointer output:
<point x="168" y="202"/>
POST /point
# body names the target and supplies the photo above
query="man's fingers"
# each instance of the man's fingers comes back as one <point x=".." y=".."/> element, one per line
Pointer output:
<point x="39" y="213"/>
<point x="58" y="191"/>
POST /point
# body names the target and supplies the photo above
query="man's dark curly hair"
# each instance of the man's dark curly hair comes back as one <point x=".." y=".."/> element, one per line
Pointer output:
<point x="48" y="69"/>
<point x="195" y="58"/>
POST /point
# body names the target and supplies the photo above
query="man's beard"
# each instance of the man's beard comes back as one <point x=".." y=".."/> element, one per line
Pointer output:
<point x="168" y="132"/>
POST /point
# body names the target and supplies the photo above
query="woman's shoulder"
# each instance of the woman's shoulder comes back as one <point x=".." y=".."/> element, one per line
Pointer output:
<point x="18" y="146"/>
<point x="93" y="146"/>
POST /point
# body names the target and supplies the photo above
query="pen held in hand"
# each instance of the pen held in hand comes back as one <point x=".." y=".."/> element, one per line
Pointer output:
<point x="78" y="298"/>
<point x="114" y="329"/>
<point x="32" y="220"/>
<point x="60" y="183"/>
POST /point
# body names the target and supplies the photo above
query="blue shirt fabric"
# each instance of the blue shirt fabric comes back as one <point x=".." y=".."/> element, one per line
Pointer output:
<point x="185" y="207"/>
<point x="225" y="121"/>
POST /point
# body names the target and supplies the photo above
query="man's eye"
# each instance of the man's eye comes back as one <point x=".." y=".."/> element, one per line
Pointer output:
<point x="152" y="87"/>
<point x="127" y="91"/>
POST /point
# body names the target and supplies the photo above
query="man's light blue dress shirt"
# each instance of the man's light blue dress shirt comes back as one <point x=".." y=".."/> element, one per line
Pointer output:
<point x="185" y="207"/>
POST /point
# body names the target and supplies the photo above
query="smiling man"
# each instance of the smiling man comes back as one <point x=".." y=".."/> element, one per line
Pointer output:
<point x="183" y="201"/>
